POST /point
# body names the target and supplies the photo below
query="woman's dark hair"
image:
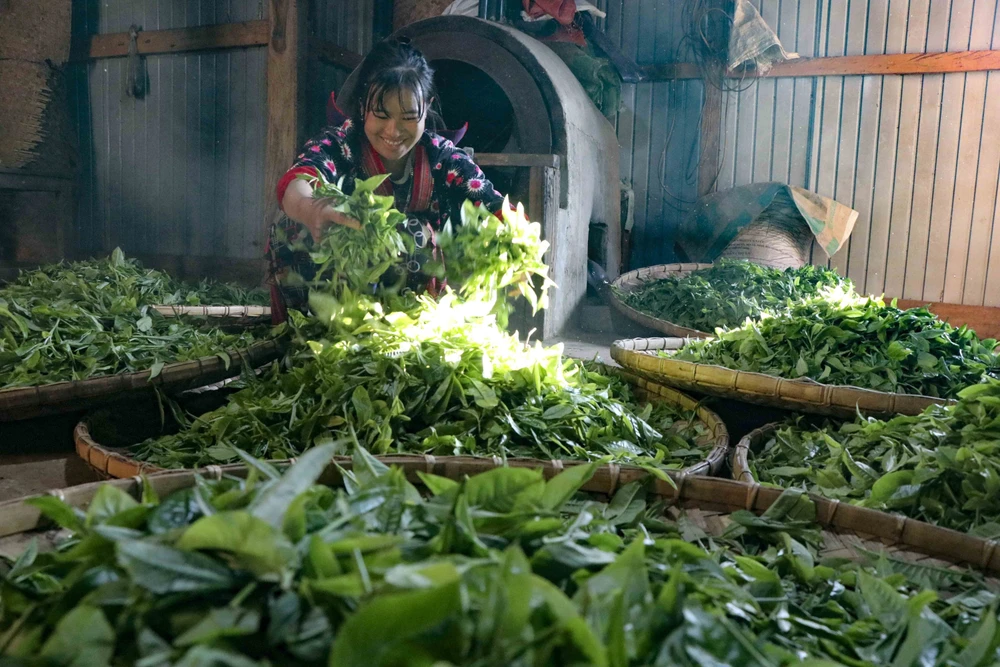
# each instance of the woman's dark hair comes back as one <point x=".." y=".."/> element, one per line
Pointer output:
<point x="393" y="66"/>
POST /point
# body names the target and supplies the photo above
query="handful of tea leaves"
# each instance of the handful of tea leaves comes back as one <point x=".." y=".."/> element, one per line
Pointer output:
<point x="485" y="258"/>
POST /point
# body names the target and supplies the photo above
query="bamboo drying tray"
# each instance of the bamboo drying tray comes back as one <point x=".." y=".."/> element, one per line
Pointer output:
<point x="846" y="529"/>
<point x="239" y="315"/>
<point x="639" y="354"/>
<point x="115" y="462"/>
<point x="60" y="397"/>
<point x="743" y="474"/>
<point x="633" y="280"/>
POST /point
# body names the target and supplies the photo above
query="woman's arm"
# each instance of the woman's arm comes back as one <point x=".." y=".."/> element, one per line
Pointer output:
<point x="300" y="205"/>
<point x="322" y="156"/>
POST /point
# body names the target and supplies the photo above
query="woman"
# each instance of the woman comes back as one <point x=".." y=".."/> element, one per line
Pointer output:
<point x="429" y="177"/>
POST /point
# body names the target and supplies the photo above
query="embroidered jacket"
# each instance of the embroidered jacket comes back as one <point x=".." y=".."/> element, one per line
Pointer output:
<point x="443" y="178"/>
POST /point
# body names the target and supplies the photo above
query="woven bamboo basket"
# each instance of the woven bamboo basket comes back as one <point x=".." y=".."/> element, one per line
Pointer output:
<point x="639" y="354"/>
<point x="741" y="454"/>
<point x="633" y="280"/>
<point x="242" y="316"/>
<point x="115" y="462"/>
<point x="847" y="530"/>
<point x="61" y="397"/>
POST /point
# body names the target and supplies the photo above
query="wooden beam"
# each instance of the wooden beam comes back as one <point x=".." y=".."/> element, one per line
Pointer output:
<point x="330" y="53"/>
<point x="180" y="40"/>
<point x="28" y="182"/>
<point x="873" y="65"/>
<point x="904" y="63"/>
<point x="517" y="160"/>
<point x="284" y="101"/>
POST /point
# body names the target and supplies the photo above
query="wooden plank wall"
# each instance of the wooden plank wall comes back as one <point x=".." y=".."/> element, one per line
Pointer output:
<point x="915" y="155"/>
<point x="179" y="174"/>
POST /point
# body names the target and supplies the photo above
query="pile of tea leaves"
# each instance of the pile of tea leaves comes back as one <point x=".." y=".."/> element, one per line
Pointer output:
<point x="942" y="466"/>
<point x="77" y="321"/>
<point x="859" y="342"/>
<point x="502" y="568"/>
<point x="449" y="382"/>
<point x="394" y="372"/>
<point x="730" y="291"/>
<point x="126" y="277"/>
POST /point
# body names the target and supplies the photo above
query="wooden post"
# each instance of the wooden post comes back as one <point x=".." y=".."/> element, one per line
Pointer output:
<point x="284" y="104"/>
<point x="711" y="133"/>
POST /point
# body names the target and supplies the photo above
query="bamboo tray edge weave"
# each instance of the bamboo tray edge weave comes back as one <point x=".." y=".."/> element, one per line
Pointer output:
<point x="741" y="453"/>
<point x="241" y="313"/>
<point x="638" y="277"/>
<point x="27" y="402"/>
<point x="812" y="397"/>
<point x="902" y="537"/>
<point x="111" y="462"/>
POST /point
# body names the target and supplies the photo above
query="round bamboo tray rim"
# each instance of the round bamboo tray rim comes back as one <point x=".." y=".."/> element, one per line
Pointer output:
<point x="632" y="280"/>
<point x="741" y="453"/>
<point x="741" y="473"/>
<point x="806" y="396"/>
<point x="18" y="403"/>
<point x="238" y="312"/>
<point x="705" y="494"/>
<point x="114" y="462"/>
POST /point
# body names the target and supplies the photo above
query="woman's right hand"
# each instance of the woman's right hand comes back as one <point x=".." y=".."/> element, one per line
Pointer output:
<point x="327" y="216"/>
<point x="315" y="214"/>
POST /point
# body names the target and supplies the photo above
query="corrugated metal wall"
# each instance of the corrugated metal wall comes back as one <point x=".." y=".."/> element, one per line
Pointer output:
<point x="658" y="125"/>
<point x="180" y="172"/>
<point x="915" y="155"/>
<point x="348" y="24"/>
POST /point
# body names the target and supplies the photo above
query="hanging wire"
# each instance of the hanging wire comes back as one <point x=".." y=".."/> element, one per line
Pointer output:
<point x="706" y="40"/>
<point x="706" y="43"/>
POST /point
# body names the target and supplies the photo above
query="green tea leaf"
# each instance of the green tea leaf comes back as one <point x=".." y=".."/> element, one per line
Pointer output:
<point x="385" y="622"/>
<point x="108" y="502"/>
<point x="256" y="545"/>
<point x="274" y="501"/>
<point x="82" y="638"/>
<point x="501" y="489"/>
<point x="561" y="488"/>
<point x="162" y="569"/>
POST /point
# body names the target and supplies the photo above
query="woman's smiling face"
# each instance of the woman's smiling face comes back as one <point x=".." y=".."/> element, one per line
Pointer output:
<point x="395" y="126"/>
